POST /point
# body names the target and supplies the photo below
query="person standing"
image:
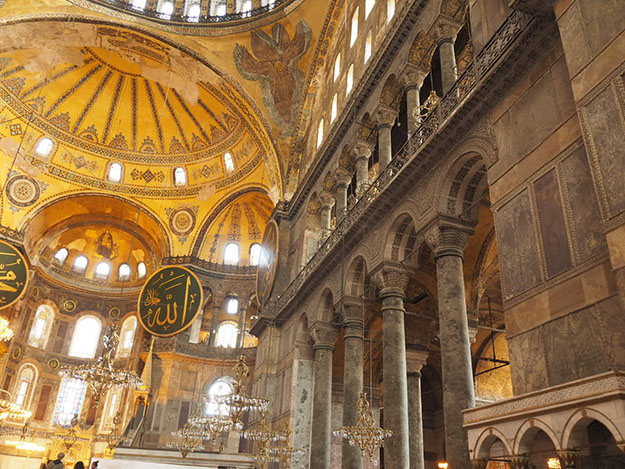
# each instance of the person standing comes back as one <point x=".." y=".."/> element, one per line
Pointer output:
<point x="57" y="463"/>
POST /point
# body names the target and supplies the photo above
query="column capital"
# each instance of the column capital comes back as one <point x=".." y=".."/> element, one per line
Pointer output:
<point x="384" y="116"/>
<point x="415" y="359"/>
<point x="568" y="458"/>
<point x="448" y="236"/>
<point x="326" y="199"/>
<point x="342" y="177"/>
<point x="444" y="29"/>
<point x="361" y="149"/>
<point x="479" y="463"/>
<point x="391" y="278"/>
<point x="533" y="7"/>
<point x="519" y="462"/>
<point x="412" y="76"/>
<point x="323" y="334"/>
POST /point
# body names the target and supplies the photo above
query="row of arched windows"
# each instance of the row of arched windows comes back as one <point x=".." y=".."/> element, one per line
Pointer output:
<point x="193" y="8"/>
<point x="367" y="52"/>
<point x="102" y="270"/>
<point x="232" y="254"/>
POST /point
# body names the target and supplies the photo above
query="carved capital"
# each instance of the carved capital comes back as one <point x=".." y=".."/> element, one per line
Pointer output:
<point x="415" y="359"/>
<point x="352" y="310"/>
<point x="519" y="462"/>
<point x="342" y="177"/>
<point x="444" y="29"/>
<point x="479" y="463"/>
<point x="533" y="7"/>
<point x="412" y="76"/>
<point x="326" y="199"/>
<point x="323" y="334"/>
<point x="568" y="458"/>
<point x="361" y="149"/>
<point x="448" y="237"/>
<point x="391" y="278"/>
<point x="384" y="116"/>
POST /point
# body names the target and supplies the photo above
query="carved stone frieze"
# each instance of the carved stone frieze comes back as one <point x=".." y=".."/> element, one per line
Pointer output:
<point x="534" y="7"/>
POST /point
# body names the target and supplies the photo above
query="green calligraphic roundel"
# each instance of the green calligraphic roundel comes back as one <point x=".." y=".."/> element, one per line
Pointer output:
<point x="13" y="274"/>
<point x="170" y="301"/>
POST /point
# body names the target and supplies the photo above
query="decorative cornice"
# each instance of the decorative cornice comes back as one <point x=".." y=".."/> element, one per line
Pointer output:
<point x="534" y="7"/>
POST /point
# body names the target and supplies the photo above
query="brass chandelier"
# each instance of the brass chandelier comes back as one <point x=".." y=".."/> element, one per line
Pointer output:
<point x="264" y="437"/>
<point x="366" y="435"/>
<point x="6" y="333"/>
<point x="10" y="410"/>
<point x="102" y="375"/>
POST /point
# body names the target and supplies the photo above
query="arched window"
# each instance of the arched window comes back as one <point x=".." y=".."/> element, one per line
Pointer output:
<point x="80" y="264"/>
<point x="40" y="330"/>
<point x="180" y="177"/>
<point x="354" y="32"/>
<point x="141" y="270"/>
<point x="61" y="255"/>
<point x="390" y="10"/>
<point x="126" y="337"/>
<point x="232" y="305"/>
<point x="124" y="273"/>
<point x="228" y="162"/>
<point x="349" y="84"/>
<point x="337" y="67"/>
<point x="231" y="254"/>
<point x="244" y="6"/>
<point x="221" y="387"/>
<point x="368" y="46"/>
<point x="227" y="335"/>
<point x="166" y="8"/>
<point x="44" y="147"/>
<point x="218" y="7"/>
<point x="25" y="386"/>
<point x="369" y="4"/>
<point x="320" y="134"/>
<point x="193" y="11"/>
<point x="86" y="336"/>
<point x="102" y="270"/>
<point x="111" y="407"/>
<point x="335" y="108"/>
<point x="255" y="254"/>
<point x="69" y="400"/>
<point x="138" y="4"/>
<point x="115" y="172"/>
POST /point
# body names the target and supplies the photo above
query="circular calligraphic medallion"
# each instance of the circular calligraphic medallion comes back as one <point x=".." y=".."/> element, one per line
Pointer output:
<point x="169" y="301"/>
<point x="13" y="274"/>
<point x="69" y="305"/>
<point x="114" y="313"/>
<point x="17" y="352"/>
<point x="268" y="262"/>
<point x="22" y="191"/>
<point x="182" y="221"/>
<point x="53" y="364"/>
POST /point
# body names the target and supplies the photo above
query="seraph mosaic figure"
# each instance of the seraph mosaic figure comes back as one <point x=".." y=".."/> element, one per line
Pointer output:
<point x="273" y="62"/>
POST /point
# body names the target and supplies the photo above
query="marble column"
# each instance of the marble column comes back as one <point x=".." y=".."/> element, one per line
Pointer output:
<point x="324" y="336"/>
<point x="412" y="80"/>
<point x="353" y="327"/>
<point x="362" y="153"/>
<point x="325" y="212"/>
<point x="415" y="359"/>
<point x="445" y="30"/>
<point x="385" y="118"/>
<point x="447" y="241"/>
<point x="343" y="178"/>
<point x="392" y="281"/>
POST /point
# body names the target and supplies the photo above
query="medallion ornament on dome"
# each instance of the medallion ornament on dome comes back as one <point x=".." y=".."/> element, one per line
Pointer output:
<point x="182" y="220"/>
<point x="22" y="191"/>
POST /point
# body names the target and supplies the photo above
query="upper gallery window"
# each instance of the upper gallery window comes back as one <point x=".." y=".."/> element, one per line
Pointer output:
<point x="219" y="7"/>
<point x="80" y="264"/>
<point x="126" y="337"/>
<point x="85" y="339"/>
<point x="141" y="270"/>
<point x="40" y="329"/>
<point x="368" y="47"/>
<point x="244" y="6"/>
<point x="390" y="10"/>
<point x="166" y="9"/>
<point x="138" y="4"/>
<point x="124" y="272"/>
<point x="350" y="80"/>
<point x="354" y="32"/>
<point x="25" y="385"/>
<point x="44" y="147"/>
<point x="231" y="254"/>
<point x="320" y="134"/>
<point x="193" y="11"/>
<point x="232" y="305"/>
<point x="255" y="254"/>
<point x="61" y="255"/>
<point x="228" y="162"/>
<point x="102" y="270"/>
<point x="369" y="4"/>
<point x="221" y="387"/>
<point x="180" y="177"/>
<point x="69" y="401"/>
<point x="227" y="335"/>
<point x="335" y="108"/>
<point x="337" y="67"/>
<point x="115" y="172"/>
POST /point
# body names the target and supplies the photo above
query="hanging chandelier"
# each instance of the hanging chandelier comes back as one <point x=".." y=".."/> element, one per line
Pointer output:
<point x="71" y="437"/>
<point x="191" y="440"/>
<point x="264" y="437"/>
<point x="116" y="436"/>
<point x="102" y="375"/>
<point x="211" y="426"/>
<point x="237" y="401"/>
<point x="10" y="410"/>
<point x="283" y="450"/>
<point x="6" y="333"/>
<point x="366" y="435"/>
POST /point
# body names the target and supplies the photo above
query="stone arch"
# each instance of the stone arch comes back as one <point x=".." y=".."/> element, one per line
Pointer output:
<point x="527" y="432"/>
<point x="572" y="436"/>
<point x="366" y="130"/>
<point x="421" y="51"/>
<point x="357" y="279"/>
<point x="401" y="239"/>
<point x="487" y="439"/>
<point x="391" y="92"/>
<point x="302" y="340"/>
<point x="326" y="305"/>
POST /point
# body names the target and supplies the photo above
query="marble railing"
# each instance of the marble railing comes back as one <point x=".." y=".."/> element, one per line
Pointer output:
<point x="505" y="36"/>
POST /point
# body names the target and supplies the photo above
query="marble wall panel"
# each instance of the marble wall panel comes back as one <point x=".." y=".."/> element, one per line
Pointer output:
<point x="605" y="123"/>
<point x="584" y="205"/>
<point x="603" y="21"/>
<point x="552" y="226"/>
<point x="611" y="319"/>
<point x="517" y="244"/>
<point x="528" y="364"/>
